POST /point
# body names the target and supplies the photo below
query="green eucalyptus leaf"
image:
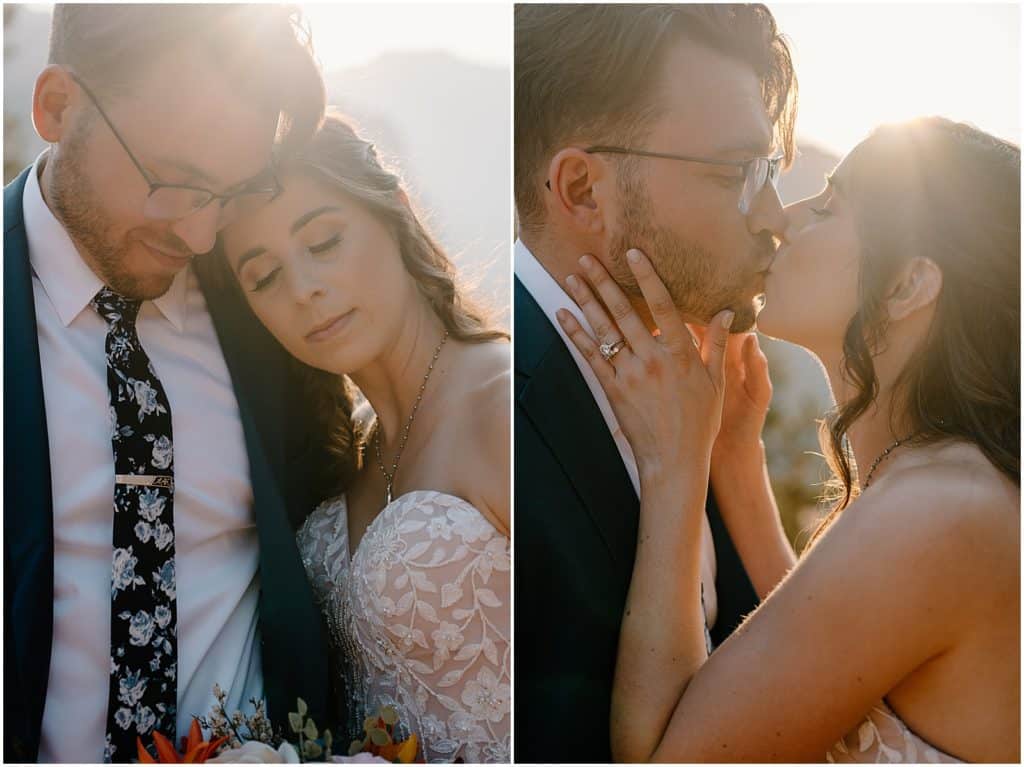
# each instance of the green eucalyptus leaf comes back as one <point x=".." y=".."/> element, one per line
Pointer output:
<point x="295" y="720"/>
<point x="328" y="739"/>
<point x="355" y="747"/>
<point x="310" y="730"/>
<point x="379" y="737"/>
<point x="302" y="707"/>
<point x="389" y="715"/>
<point x="313" y="749"/>
<point x="369" y="723"/>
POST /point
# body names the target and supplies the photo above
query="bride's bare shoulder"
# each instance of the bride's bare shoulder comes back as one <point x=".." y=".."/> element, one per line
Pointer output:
<point x="949" y="499"/>
<point x="480" y="411"/>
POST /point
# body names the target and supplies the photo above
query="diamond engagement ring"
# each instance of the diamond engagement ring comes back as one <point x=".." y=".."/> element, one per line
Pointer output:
<point x="610" y="350"/>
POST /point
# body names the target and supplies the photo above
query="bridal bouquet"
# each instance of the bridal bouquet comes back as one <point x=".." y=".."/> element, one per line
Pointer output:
<point x="241" y="739"/>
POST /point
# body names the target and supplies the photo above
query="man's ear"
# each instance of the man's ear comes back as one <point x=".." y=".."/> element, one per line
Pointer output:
<point x="52" y="96"/>
<point x="575" y="188"/>
<point x="917" y="287"/>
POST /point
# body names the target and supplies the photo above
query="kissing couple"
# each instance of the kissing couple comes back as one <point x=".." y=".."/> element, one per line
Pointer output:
<point x="256" y="436"/>
<point x="649" y="140"/>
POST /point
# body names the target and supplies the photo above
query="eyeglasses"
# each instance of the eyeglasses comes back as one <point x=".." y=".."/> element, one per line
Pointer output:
<point x="756" y="172"/>
<point x="167" y="202"/>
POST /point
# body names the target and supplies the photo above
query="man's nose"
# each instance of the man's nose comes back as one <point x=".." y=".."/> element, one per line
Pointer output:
<point x="767" y="213"/>
<point x="199" y="229"/>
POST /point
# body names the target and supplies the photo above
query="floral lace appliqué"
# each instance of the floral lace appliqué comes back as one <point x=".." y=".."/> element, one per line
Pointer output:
<point x="883" y="738"/>
<point x="420" y="616"/>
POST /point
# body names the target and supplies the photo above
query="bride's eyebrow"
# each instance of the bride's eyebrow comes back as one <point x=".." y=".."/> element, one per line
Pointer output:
<point x="249" y="255"/>
<point x="305" y="218"/>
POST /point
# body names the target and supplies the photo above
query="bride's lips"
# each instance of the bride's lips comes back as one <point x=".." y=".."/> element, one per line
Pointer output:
<point x="330" y="328"/>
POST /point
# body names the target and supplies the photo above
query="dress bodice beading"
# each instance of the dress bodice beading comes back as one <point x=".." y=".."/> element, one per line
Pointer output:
<point x="420" y="617"/>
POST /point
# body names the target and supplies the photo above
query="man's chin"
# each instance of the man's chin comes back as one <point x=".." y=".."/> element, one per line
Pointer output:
<point x="141" y="287"/>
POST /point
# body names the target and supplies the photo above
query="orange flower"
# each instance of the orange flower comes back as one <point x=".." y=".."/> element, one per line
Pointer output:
<point x="402" y="753"/>
<point x="194" y="749"/>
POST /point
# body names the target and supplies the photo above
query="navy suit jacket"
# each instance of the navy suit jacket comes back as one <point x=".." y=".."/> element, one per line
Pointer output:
<point x="576" y="518"/>
<point x="282" y="457"/>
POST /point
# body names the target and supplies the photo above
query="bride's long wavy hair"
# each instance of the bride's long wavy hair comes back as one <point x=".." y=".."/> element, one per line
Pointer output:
<point x="949" y="192"/>
<point x="339" y="158"/>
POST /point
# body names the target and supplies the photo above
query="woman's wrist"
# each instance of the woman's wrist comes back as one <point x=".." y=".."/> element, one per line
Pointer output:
<point x="745" y="458"/>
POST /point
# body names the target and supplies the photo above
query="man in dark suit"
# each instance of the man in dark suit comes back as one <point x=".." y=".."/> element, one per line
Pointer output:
<point x="648" y="126"/>
<point x="161" y="122"/>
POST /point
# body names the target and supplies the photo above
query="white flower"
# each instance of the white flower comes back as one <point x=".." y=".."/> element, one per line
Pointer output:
<point x="438" y="527"/>
<point x="145" y="398"/>
<point x="361" y="758"/>
<point x="164" y="536"/>
<point x="486" y="697"/>
<point x="254" y="752"/>
<point x="164" y="579"/>
<point x="140" y="628"/>
<point x="151" y="504"/>
<point x="123" y="718"/>
<point x="145" y="718"/>
<point x="470" y="525"/>
<point x="162" y="453"/>
<point x="162" y="615"/>
<point x="143" y="531"/>
<point x="124" y="571"/>
<point x="131" y="688"/>
<point x="448" y="637"/>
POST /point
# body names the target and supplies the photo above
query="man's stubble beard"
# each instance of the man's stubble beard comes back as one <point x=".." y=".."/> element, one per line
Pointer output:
<point x="76" y="204"/>
<point x="686" y="268"/>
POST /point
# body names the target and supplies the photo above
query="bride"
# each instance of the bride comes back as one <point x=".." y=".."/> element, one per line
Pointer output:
<point x="896" y="635"/>
<point x="411" y="565"/>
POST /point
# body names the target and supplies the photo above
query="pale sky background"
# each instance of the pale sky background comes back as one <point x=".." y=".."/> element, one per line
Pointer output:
<point x="351" y="35"/>
<point x="863" y="64"/>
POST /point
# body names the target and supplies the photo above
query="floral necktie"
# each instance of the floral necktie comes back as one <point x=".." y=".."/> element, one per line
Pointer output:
<point x="143" y="618"/>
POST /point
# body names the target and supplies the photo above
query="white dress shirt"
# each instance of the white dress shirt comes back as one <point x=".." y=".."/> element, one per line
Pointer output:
<point x="550" y="297"/>
<point x="216" y="547"/>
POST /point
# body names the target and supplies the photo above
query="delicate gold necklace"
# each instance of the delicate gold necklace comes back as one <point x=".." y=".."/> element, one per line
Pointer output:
<point x="883" y="456"/>
<point x="389" y="478"/>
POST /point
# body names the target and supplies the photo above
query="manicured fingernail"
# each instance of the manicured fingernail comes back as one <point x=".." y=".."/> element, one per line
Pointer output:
<point x="573" y="282"/>
<point x="633" y="255"/>
<point x="727" y="318"/>
<point x="562" y="315"/>
<point x="586" y="262"/>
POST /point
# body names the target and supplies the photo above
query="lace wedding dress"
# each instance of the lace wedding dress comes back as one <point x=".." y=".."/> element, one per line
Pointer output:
<point x="419" y="615"/>
<point x="883" y="738"/>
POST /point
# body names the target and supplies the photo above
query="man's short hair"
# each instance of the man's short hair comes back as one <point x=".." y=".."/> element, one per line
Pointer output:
<point x="591" y="71"/>
<point x="267" y="49"/>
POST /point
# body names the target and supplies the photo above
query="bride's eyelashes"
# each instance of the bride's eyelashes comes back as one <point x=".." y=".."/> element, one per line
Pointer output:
<point x="821" y="212"/>
<point x="326" y="245"/>
<point x="317" y="249"/>
<point x="265" y="281"/>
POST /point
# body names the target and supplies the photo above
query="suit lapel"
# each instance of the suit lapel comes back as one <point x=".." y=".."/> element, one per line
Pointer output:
<point x="294" y="645"/>
<point x="28" y="494"/>
<point x="561" y="408"/>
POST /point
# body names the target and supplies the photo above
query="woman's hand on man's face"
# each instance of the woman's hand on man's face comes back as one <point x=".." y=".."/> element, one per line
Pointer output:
<point x="667" y="391"/>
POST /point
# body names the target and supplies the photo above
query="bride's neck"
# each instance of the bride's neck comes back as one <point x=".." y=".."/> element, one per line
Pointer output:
<point x="392" y="382"/>
<point x="875" y="429"/>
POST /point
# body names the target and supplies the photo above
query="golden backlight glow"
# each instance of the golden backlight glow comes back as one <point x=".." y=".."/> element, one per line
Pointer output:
<point x="865" y="64"/>
<point x="350" y="35"/>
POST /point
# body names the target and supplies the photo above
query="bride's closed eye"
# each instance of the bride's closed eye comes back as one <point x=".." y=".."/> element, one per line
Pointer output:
<point x="326" y="245"/>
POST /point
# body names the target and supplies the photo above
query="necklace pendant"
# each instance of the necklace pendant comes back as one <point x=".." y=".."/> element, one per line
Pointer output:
<point x="387" y="494"/>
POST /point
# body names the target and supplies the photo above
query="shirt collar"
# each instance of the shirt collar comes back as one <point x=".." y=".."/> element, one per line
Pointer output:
<point x="67" y="280"/>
